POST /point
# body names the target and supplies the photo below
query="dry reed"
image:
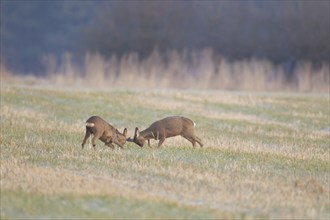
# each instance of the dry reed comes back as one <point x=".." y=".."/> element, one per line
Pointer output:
<point x="197" y="70"/>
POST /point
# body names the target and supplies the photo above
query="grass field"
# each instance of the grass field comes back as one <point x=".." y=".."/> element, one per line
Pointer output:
<point x="265" y="155"/>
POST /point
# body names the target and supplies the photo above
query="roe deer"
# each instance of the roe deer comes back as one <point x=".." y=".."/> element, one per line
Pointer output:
<point x="100" y="129"/>
<point x="165" y="128"/>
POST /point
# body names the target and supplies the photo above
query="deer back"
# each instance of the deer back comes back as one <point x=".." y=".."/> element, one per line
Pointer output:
<point x="169" y="126"/>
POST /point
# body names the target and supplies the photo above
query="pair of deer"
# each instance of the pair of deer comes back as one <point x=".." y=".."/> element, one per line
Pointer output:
<point x="159" y="130"/>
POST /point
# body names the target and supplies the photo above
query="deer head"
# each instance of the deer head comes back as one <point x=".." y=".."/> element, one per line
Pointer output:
<point x="121" y="137"/>
<point x="137" y="139"/>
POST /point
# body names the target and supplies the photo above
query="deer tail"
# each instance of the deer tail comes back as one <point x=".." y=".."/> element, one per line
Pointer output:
<point x="88" y="124"/>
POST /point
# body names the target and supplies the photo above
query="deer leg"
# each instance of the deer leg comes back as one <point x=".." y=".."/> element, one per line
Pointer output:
<point x="121" y="147"/>
<point x="95" y="138"/>
<point x="199" y="141"/>
<point x="190" y="136"/>
<point x="88" y="133"/>
<point x="191" y="140"/>
<point x="149" y="142"/>
<point x="110" y="145"/>
<point x="161" y="141"/>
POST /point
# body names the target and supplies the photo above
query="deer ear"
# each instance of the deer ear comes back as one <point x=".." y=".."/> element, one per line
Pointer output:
<point x="136" y="134"/>
<point x="125" y="132"/>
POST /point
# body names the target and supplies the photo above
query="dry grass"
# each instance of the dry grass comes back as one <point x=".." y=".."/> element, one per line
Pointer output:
<point x="175" y="70"/>
<point x="266" y="155"/>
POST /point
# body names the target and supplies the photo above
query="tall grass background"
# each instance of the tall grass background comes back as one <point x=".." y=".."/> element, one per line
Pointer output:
<point x="187" y="69"/>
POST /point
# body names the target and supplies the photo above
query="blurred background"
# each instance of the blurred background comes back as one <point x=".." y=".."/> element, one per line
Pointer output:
<point x="234" y="45"/>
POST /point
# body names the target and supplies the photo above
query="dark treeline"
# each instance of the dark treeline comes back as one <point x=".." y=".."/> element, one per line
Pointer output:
<point x="281" y="31"/>
<point x="32" y="29"/>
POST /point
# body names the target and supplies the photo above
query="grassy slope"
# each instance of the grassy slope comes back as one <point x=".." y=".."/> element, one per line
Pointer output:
<point x="266" y="155"/>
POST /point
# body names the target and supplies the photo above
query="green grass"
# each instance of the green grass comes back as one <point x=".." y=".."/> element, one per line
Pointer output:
<point x="266" y="155"/>
<point x="68" y="206"/>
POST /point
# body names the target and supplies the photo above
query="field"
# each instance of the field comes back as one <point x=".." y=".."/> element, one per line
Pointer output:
<point x="265" y="155"/>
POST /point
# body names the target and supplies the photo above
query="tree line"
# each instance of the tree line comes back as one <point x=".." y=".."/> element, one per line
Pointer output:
<point x="283" y="32"/>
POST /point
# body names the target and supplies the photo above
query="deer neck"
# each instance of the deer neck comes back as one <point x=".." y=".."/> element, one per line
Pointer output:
<point x="147" y="134"/>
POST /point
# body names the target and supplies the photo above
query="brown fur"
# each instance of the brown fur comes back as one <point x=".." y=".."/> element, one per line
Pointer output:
<point x="100" y="129"/>
<point x="165" y="128"/>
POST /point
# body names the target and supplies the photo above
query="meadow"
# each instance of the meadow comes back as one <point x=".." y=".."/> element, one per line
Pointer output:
<point x="265" y="155"/>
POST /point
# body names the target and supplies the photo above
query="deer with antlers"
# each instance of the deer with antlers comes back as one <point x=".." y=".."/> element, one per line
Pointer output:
<point x="167" y="127"/>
